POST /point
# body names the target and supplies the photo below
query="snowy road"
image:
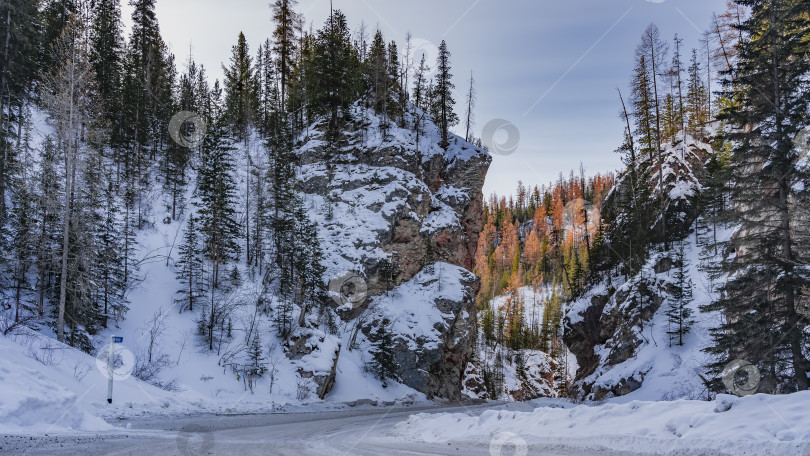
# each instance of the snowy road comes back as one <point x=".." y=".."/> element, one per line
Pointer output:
<point x="351" y="432"/>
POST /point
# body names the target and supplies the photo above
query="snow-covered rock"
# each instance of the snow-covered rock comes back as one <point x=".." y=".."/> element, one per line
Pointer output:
<point x="383" y="197"/>
<point x="432" y="317"/>
<point x="617" y="329"/>
<point x="404" y="215"/>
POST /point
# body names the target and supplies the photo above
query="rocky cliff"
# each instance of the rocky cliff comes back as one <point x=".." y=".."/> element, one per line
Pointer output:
<point x="399" y="218"/>
<point x="618" y="318"/>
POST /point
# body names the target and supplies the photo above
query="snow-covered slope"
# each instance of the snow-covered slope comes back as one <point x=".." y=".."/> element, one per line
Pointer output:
<point x="498" y="373"/>
<point x="618" y="328"/>
<point x="637" y="361"/>
<point x="387" y="196"/>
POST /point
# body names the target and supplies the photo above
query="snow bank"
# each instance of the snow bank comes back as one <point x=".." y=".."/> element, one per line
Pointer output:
<point x="755" y="425"/>
<point x="40" y="398"/>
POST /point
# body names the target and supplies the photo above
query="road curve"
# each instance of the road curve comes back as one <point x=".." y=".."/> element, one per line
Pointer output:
<point x="336" y="433"/>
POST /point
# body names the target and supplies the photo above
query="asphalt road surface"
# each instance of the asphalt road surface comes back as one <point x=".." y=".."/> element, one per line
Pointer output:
<point x="338" y="433"/>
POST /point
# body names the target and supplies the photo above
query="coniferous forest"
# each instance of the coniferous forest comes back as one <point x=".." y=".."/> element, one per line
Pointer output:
<point x="73" y="202"/>
<point x="305" y="229"/>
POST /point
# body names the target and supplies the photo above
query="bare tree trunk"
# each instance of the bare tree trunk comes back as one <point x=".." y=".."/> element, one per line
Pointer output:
<point x="658" y="147"/>
<point x="70" y="168"/>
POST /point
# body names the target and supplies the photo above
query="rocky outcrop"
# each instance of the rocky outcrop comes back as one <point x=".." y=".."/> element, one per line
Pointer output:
<point x="391" y="209"/>
<point x="433" y="321"/>
<point x="315" y="354"/>
<point x="605" y="328"/>
<point x="384" y="199"/>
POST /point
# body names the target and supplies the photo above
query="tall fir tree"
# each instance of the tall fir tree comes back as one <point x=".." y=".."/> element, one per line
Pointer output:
<point x="241" y="92"/>
<point x="445" y="116"/>
<point x="768" y="274"/>
<point x="679" y="314"/>
<point x="20" y="29"/>
<point x="216" y="195"/>
<point x="285" y="42"/>
<point x="190" y="268"/>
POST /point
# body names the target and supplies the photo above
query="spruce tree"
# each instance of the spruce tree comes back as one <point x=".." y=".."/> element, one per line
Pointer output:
<point x="256" y="365"/>
<point x="241" y="92"/>
<point x="285" y="39"/>
<point x="383" y="361"/>
<point x="761" y="298"/>
<point x="643" y="106"/>
<point x="109" y="265"/>
<point x="20" y="32"/>
<point x="444" y="101"/>
<point x="190" y="268"/>
<point x="18" y="257"/>
<point x="377" y="77"/>
<point x="216" y="196"/>
<point x="106" y="52"/>
<point x="337" y="66"/>
<point x="679" y="314"/>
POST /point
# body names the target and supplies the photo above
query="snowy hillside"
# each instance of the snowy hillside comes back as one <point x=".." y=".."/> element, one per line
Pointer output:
<point x="404" y="205"/>
<point x="651" y="365"/>
<point x="620" y="328"/>
<point x="500" y="373"/>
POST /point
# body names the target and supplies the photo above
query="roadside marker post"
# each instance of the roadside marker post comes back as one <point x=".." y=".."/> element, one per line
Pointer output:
<point x="110" y="365"/>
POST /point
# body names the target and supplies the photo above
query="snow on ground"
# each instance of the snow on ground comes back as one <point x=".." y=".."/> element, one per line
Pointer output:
<point x="195" y="379"/>
<point x="755" y="425"/>
<point x="671" y="372"/>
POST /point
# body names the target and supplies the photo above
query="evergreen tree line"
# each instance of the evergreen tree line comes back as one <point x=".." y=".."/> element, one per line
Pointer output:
<point x="754" y="181"/>
<point x="72" y="204"/>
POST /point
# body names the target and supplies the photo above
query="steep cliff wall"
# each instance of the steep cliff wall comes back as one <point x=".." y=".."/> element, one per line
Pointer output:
<point x="396" y="211"/>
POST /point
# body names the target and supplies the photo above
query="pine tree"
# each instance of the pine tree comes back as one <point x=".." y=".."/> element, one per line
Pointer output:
<point x="307" y="261"/>
<point x="652" y="47"/>
<point x="285" y="39"/>
<point x="216" y="194"/>
<point x="643" y="106"/>
<point x="444" y="101"/>
<point x="112" y="286"/>
<point x="376" y="75"/>
<point x="48" y="204"/>
<point x="241" y="92"/>
<point x="337" y="66"/>
<point x="20" y="32"/>
<point x="148" y="78"/>
<point x="21" y="228"/>
<point x="106" y="52"/>
<point x="696" y="96"/>
<point x="190" y="268"/>
<point x="256" y="358"/>
<point x="679" y="314"/>
<point x="760" y="300"/>
<point x="383" y="361"/>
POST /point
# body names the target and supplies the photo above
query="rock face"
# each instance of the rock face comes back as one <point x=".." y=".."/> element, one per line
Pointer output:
<point x="432" y="318"/>
<point x="389" y="206"/>
<point x="315" y="354"/>
<point x="606" y="327"/>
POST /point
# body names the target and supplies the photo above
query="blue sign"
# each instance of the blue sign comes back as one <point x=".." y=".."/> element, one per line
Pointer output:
<point x="118" y="339"/>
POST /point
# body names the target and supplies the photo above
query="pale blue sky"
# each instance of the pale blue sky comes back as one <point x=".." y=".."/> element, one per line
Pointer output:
<point x="550" y="68"/>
